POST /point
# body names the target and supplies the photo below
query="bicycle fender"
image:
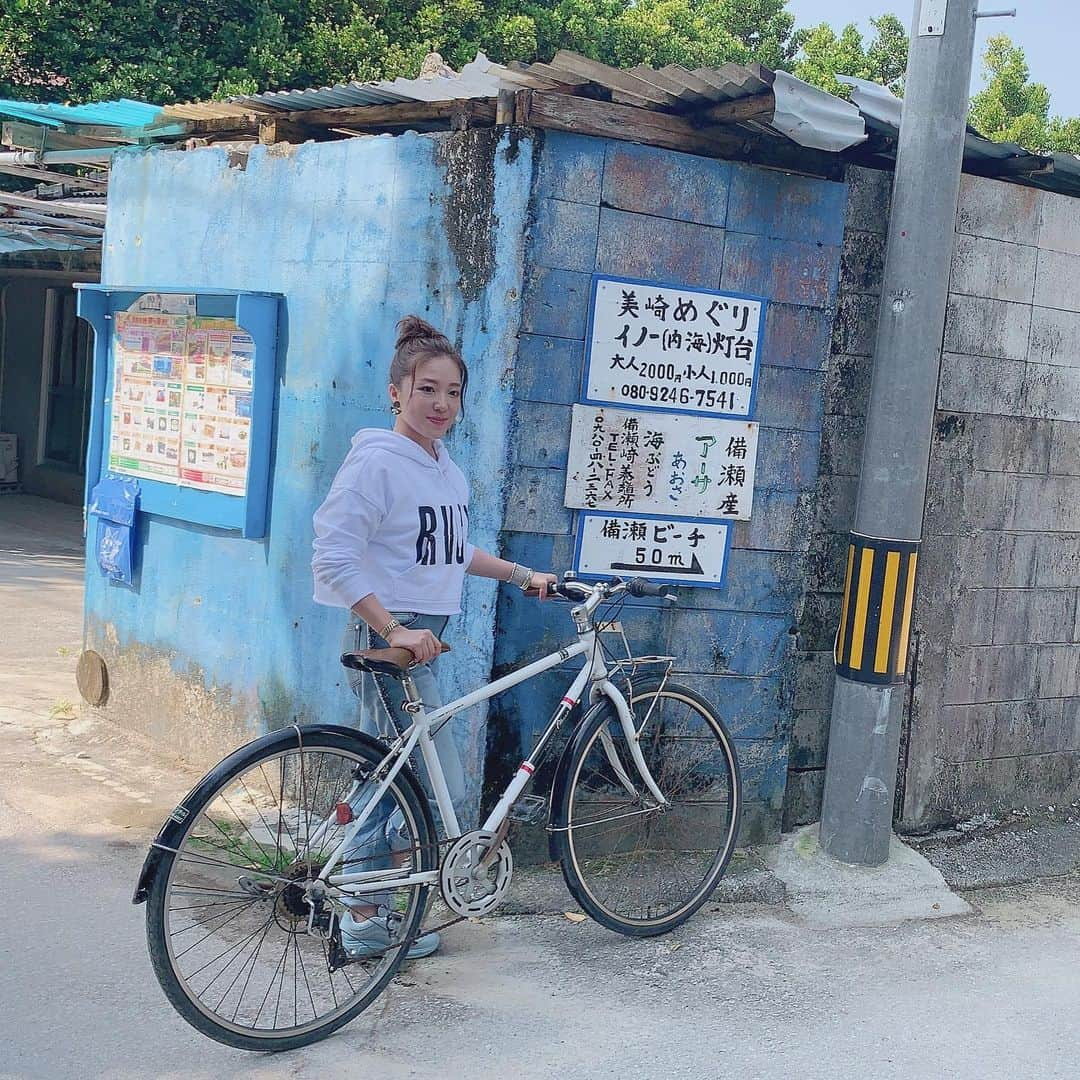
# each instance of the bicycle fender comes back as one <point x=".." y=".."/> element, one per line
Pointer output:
<point x="562" y="771"/>
<point x="289" y="738"/>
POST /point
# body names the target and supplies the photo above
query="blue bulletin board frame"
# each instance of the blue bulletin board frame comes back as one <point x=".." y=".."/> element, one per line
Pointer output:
<point x="666" y="408"/>
<point x="646" y="572"/>
<point x="257" y="314"/>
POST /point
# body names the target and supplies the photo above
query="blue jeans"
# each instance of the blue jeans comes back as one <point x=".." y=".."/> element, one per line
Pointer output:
<point x="381" y="715"/>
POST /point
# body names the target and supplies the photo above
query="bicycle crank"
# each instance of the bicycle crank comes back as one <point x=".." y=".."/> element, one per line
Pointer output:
<point x="471" y="884"/>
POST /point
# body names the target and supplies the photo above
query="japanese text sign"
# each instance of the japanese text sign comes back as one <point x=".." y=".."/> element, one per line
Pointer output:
<point x="660" y="463"/>
<point x="677" y="550"/>
<point x="667" y="347"/>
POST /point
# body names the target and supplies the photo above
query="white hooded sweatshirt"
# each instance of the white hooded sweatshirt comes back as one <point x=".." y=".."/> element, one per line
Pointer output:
<point x="395" y="524"/>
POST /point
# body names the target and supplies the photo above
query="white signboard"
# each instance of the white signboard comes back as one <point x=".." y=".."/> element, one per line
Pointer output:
<point x="660" y="463"/>
<point x="674" y="349"/>
<point x="675" y="550"/>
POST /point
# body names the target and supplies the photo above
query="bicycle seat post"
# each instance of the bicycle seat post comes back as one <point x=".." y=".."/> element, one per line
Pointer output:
<point x="413" y="701"/>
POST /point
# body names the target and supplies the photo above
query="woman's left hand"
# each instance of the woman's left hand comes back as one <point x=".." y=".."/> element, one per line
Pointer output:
<point x="540" y="582"/>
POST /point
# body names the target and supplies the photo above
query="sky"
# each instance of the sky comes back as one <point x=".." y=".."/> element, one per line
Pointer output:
<point x="1044" y="29"/>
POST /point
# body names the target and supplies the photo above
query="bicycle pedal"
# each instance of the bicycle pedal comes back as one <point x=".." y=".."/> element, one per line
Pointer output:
<point x="529" y="809"/>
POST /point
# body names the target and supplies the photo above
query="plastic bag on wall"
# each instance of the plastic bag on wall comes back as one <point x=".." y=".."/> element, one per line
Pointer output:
<point x="113" y="502"/>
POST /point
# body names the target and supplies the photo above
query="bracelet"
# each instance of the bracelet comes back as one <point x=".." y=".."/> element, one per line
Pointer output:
<point x="388" y="629"/>
<point x="520" y="576"/>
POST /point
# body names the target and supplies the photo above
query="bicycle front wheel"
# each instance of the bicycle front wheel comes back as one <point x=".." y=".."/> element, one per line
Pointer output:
<point x="636" y="867"/>
<point x="232" y="935"/>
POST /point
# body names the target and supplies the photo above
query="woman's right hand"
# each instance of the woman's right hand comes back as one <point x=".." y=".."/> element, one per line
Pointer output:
<point x="423" y="644"/>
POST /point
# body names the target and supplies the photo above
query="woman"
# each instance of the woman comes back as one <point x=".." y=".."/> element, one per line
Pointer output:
<point x="391" y="545"/>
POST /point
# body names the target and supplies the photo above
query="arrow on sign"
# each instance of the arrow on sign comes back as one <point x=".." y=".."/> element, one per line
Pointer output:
<point x="693" y="568"/>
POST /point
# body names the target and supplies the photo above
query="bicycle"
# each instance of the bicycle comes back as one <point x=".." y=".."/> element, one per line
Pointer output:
<point x="247" y="880"/>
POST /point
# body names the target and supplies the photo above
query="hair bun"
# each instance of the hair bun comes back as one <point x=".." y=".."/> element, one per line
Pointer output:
<point x="413" y="328"/>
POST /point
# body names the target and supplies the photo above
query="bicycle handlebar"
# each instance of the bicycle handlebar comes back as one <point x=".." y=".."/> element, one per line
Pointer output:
<point x="576" y="591"/>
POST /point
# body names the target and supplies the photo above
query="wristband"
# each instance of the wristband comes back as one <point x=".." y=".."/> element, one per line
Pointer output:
<point x="520" y="576"/>
<point x="388" y="629"/>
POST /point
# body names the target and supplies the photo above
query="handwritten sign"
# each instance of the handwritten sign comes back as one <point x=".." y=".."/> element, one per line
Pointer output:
<point x="660" y="463"/>
<point x="677" y="550"/>
<point x="671" y="348"/>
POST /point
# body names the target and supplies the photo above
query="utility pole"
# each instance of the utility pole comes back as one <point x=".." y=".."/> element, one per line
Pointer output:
<point x="872" y="642"/>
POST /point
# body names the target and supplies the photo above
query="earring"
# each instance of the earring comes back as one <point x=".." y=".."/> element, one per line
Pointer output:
<point x="395" y="408"/>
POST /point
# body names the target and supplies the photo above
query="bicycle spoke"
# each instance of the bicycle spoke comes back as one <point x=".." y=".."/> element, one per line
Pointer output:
<point x="236" y="915"/>
<point x="638" y="862"/>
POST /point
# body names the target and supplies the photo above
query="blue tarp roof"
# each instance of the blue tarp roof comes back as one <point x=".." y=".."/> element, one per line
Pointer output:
<point x="123" y="113"/>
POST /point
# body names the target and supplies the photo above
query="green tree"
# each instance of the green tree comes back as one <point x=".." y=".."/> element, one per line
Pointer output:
<point x="1011" y="108"/>
<point x="824" y="54"/>
<point x="173" y="50"/>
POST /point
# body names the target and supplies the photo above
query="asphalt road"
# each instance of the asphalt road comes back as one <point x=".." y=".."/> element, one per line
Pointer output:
<point x="742" y="991"/>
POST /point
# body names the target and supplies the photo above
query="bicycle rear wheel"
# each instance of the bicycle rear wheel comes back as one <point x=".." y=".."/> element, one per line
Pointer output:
<point x="635" y="867"/>
<point x="227" y="920"/>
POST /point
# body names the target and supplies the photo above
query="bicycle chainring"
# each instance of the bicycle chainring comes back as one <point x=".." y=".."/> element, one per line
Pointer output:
<point x="468" y="887"/>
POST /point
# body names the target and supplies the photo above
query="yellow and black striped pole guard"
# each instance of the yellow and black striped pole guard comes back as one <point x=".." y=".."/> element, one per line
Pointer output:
<point x="875" y="619"/>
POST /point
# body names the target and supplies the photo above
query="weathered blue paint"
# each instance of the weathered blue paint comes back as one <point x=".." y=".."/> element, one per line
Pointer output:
<point x="648" y="180"/>
<point x="789" y="271"/>
<point x="564" y="235"/>
<point x="660" y="249"/>
<point x="570" y="167"/>
<point x="556" y="302"/>
<point x="785" y="206"/>
<point x="671" y="217"/>
<point x="354" y="234"/>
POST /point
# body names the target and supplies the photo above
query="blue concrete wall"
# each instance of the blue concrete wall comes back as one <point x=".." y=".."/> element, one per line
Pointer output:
<point x="645" y="213"/>
<point x="223" y="631"/>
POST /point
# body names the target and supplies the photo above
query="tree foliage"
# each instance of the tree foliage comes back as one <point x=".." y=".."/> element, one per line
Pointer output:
<point x="824" y="54"/>
<point x="173" y="50"/>
<point x="1012" y="108"/>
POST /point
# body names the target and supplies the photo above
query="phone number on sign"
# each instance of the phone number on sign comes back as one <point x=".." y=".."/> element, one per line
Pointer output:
<point x="678" y="395"/>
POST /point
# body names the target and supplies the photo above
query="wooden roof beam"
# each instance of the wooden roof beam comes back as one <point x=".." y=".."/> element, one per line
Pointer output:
<point x="755" y="107"/>
<point x="609" y="120"/>
<point x="48" y="176"/>
<point x="53" y="207"/>
<point x="403" y="114"/>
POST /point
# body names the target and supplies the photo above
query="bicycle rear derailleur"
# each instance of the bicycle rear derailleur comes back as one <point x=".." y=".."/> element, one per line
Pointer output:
<point x="475" y="873"/>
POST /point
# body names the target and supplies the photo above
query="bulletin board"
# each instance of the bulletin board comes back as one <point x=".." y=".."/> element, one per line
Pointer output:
<point x="183" y="400"/>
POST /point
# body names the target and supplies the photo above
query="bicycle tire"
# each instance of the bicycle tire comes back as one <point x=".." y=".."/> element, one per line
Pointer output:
<point x="407" y="792"/>
<point x="586" y="781"/>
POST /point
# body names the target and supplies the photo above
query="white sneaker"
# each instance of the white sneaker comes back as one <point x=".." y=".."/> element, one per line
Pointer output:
<point x="371" y="937"/>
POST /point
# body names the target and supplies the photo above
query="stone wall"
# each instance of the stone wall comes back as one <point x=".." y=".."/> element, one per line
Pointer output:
<point x="995" y="715"/>
<point x="637" y="212"/>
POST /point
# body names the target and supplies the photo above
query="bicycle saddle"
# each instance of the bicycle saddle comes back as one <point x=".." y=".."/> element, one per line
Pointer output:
<point x="394" y="662"/>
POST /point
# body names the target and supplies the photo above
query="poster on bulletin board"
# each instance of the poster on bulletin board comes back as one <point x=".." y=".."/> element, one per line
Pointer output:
<point x="182" y="399"/>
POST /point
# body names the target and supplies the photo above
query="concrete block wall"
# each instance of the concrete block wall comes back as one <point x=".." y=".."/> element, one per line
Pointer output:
<point x="846" y="395"/>
<point x="638" y="212"/>
<point x="995" y="712"/>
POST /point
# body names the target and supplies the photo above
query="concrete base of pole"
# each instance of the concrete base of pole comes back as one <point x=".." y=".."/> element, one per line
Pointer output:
<point x="860" y="774"/>
<point x="825" y="892"/>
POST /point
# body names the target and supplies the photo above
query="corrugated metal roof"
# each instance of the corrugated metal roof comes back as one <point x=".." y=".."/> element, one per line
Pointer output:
<point x="883" y="110"/>
<point x="478" y="78"/>
<point x="806" y="115"/>
<point x="14" y="240"/>
<point x="123" y="113"/>
<point x="811" y="117"/>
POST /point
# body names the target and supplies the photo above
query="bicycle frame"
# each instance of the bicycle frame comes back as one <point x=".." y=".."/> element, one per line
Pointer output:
<point x="594" y="673"/>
